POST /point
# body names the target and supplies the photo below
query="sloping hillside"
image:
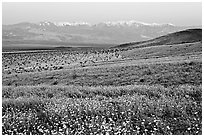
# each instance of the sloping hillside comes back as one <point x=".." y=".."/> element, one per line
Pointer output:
<point x="185" y="36"/>
<point x="186" y="49"/>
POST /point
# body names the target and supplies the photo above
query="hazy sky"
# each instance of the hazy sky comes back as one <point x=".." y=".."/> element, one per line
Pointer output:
<point x="175" y="13"/>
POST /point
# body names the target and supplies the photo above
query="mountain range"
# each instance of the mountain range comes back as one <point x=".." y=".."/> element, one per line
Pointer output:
<point x="83" y="33"/>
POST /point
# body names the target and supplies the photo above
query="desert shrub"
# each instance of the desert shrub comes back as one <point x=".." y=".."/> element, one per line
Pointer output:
<point x="74" y="75"/>
<point x="55" y="83"/>
<point x="142" y="80"/>
<point x="50" y="95"/>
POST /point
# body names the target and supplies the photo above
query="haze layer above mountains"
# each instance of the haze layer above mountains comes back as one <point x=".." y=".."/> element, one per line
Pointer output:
<point x="82" y="33"/>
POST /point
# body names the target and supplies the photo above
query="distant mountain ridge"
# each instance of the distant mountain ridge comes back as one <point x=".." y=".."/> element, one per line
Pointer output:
<point x="82" y="32"/>
<point x="108" y="23"/>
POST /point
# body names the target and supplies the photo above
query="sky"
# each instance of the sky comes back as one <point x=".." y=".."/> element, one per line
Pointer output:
<point x="181" y="14"/>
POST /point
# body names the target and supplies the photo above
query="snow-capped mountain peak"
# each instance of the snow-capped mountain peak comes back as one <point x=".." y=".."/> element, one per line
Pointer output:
<point x="71" y="23"/>
<point x="133" y="23"/>
<point x="45" y="23"/>
<point x="108" y="23"/>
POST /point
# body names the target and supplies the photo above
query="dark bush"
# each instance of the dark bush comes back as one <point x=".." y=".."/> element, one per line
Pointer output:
<point x="55" y="83"/>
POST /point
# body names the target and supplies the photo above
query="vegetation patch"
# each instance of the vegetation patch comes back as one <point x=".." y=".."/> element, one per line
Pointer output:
<point x="123" y="110"/>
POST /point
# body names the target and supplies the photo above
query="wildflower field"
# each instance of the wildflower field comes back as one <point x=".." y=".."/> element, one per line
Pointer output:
<point x="159" y="99"/>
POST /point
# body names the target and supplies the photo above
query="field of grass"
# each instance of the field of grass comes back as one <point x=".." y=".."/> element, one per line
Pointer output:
<point x="157" y="93"/>
<point x="164" y="50"/>
<point x="122" y="110"/>
<point x="166" y="74"/>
